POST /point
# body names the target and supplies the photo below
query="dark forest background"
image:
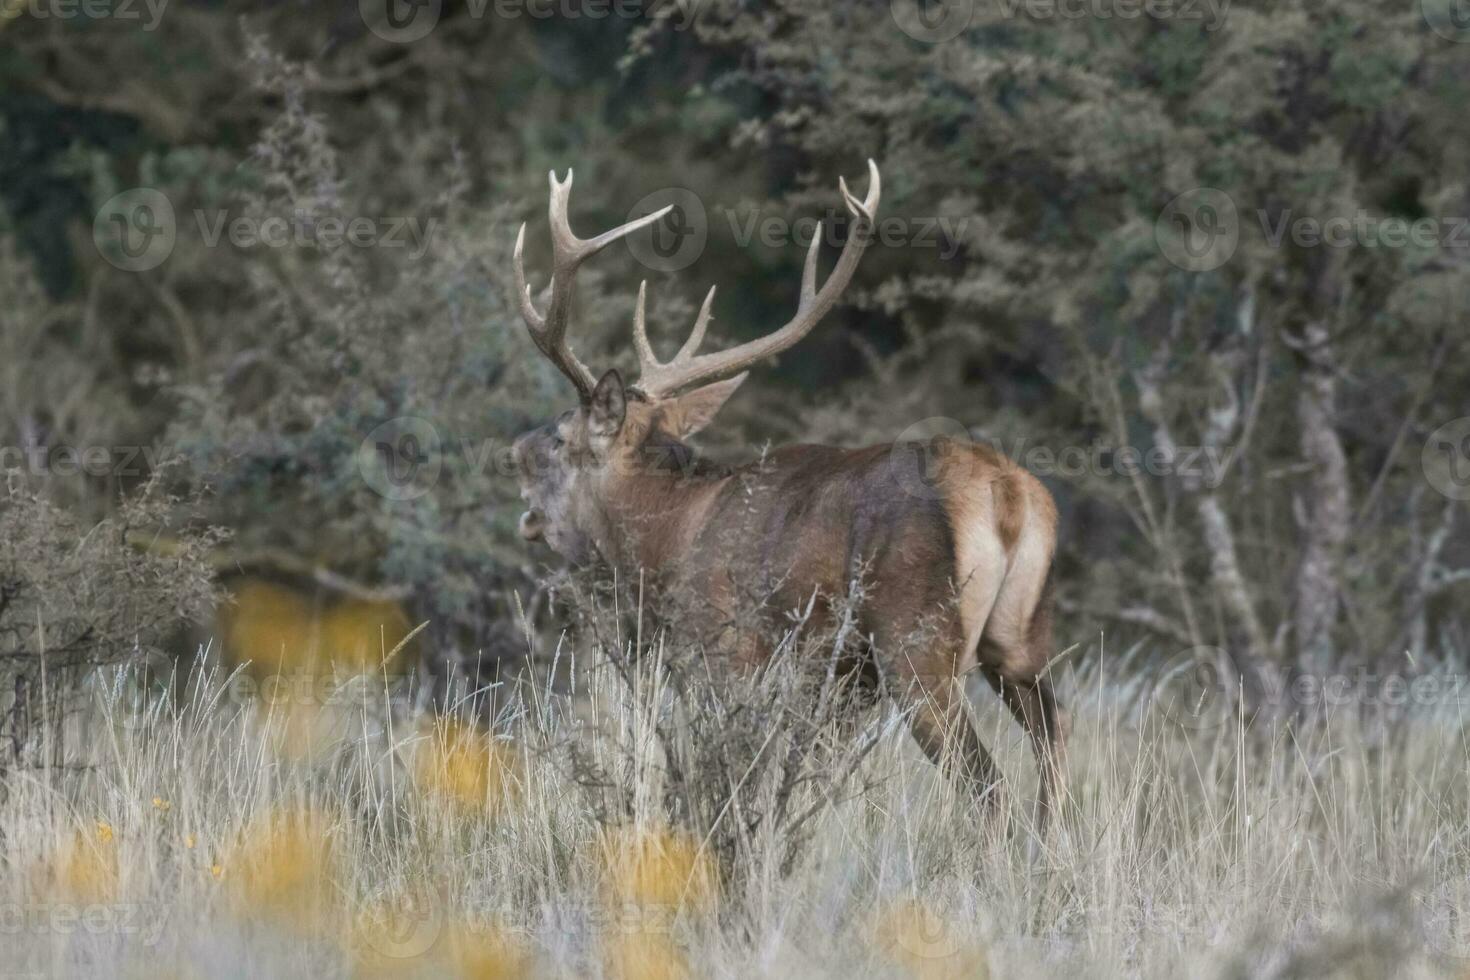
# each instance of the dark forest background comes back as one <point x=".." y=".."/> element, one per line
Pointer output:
<point x="1085" y="260"/>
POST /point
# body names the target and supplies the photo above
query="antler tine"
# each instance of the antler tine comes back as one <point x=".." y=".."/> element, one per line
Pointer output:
<point x="640" y="329"/>
<point x="809" y="272"/>
<point x="866" y="208"/>
<point x="563" y="242"/>
<point x="533" y="319"/>
<point x="567" y="253"/>
<point x="696" y="336"/>
<point x="647" y="360"/>
<point x="686" y="368"/>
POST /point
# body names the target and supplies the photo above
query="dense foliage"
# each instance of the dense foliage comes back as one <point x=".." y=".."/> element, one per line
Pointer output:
<point x="1112" y="240"/>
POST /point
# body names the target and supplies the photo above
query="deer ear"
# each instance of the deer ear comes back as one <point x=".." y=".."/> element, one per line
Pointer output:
<point x="694" y="410"/>
<point x="608" y="407"/>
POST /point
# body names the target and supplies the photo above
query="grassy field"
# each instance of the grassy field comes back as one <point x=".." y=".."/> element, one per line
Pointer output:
<point x="219" y="836"/>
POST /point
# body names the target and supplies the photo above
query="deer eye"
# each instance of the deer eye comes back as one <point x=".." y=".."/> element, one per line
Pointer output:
<point x="557" y="441"/>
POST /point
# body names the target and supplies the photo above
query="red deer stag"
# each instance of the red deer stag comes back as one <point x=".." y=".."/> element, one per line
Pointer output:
<point x="956" y="568"/>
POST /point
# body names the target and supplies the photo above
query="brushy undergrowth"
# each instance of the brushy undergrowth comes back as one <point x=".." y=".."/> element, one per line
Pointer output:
<point x="337" y="832"/>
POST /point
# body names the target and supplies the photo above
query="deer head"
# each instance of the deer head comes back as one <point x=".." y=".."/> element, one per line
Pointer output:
<point x="568" y="467"/>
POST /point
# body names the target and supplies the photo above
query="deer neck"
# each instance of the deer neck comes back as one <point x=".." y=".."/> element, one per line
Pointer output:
<point x="653" y="515"/>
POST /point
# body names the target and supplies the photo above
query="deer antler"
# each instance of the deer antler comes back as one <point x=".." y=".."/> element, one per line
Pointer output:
<point x="686" y="368"/>
<point x="568" y="252"/>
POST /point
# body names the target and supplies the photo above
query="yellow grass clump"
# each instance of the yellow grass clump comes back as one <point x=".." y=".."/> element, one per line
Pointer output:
<point x="914" y="936"/>
<point x="657" y="867"/>
<point x="280" y="631"/>
<point x="307" y="656"/>
<point x="396" y="937"/>
<point x="281" y="869"/>
<point x="295" y="729"/>
<point x="487" y="952"/>
<point x="467" y="767"/>
<point x="84" y="867"/>
<point x="268" y="625"/>
<point x="644" y="955"/>
<point x="358" y="633"/>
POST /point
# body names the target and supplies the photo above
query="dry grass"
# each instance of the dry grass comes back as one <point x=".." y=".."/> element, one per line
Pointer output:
<point x="192" y="844"/>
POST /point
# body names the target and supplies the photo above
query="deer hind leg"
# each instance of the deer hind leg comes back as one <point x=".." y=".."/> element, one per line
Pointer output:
<point x="1014" y="653"/>
<point x="927" y="684"/>
<point x="943" y="730"/>
<point x="1034" y="705"/>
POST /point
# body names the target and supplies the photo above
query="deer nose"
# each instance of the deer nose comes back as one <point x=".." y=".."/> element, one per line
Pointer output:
<point x="532" y="525"/>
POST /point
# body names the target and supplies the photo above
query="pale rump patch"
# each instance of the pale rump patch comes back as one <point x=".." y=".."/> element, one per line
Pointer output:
<point x="1005" y="633"/>
<point x="1004" y="526"/>
<point x="980" y="560"/>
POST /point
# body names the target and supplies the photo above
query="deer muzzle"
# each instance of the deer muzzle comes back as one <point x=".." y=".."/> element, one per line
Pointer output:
<point x="532" y="525"/>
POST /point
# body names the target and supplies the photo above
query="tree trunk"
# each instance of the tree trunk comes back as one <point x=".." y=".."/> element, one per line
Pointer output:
<point x="1324" y="507"/>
